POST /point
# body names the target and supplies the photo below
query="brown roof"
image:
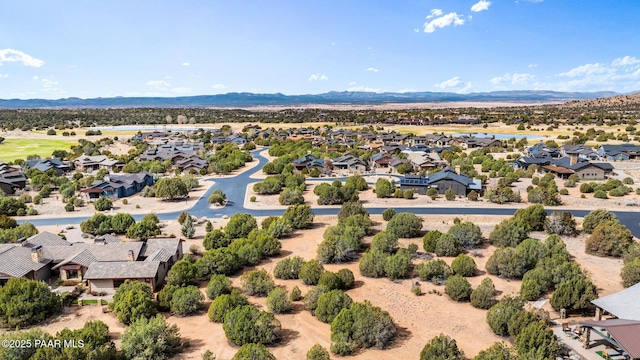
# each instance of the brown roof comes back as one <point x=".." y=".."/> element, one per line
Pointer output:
<point x="558" y="169"/>
<point x="625" y="332"/>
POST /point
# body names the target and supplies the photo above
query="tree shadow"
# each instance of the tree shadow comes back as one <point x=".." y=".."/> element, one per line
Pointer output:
<point x="297" y="307"/>
<point x="402" y="336"/>
<point x="287" y="336"/>
<point x="358" y="284"/>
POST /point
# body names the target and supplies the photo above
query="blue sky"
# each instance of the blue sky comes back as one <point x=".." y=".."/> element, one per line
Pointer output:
<point x="59" y="49"/>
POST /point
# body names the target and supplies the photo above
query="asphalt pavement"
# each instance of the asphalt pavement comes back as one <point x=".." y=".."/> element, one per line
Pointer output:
<point x="235" y="189"/>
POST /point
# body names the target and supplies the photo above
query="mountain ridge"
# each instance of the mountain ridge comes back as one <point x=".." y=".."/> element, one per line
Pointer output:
<point x="246" y="99"/>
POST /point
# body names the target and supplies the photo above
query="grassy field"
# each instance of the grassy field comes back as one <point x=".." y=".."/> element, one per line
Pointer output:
<point x="12" y="149"/>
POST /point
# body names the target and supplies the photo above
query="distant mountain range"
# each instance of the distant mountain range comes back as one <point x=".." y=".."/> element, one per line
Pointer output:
<point x="246" y="100"/>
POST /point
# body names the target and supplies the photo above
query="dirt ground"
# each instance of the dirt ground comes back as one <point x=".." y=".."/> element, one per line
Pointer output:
<point x="418" y="319"/>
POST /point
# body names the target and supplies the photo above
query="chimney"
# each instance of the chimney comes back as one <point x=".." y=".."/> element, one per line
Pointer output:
<point x="573" y="159"/>
<point x="22" y="241"/>
<point x="457" y="170"/>
<point x="99" y="240"/>
<point x="37" y="253"/>
<point x="131" y="256"/>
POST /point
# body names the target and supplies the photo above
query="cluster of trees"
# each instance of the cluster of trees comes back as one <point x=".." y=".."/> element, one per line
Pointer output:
<point x="342" y="241"/>
<point x="613" y="187"/>
<point x="122" y="223"/>
<point x="335" y="193"/>
<point x="546" y="191"/>
<point x="26" y="302"/>
<point x="533" y="339"/>
<point x="607" y="236"/>
<point x="92" y="342"/>
<point x="10" y="231"/>
<point x="11" y="206"/>
<point x="227" y="158"/>
<point x="362" y="325"/>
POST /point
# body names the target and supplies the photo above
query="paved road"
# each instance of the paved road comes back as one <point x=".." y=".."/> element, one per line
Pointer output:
<point x="235" y="189"/>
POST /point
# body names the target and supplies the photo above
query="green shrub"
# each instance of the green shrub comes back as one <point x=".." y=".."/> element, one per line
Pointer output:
<point x="330" y="304"/>
<point x="26" y="302"/>
<point x="288" y="268"/>
<point x="385" y="241"/>
<point x="257" y="282"/>
<point x="450" y="195"/>
<point x="464" y="265"/>
<point x="447" y="245"/>
<point x="499" y="314"/>
<point x="317" y="352"/>
<point x="631" y="273"/>
<point x="484" y="296"/>
<point x="253" y="351"/>
<point x="296" y="294"/>
<point x="441" y="347"/>
<point x="397" y="266"/>
<point x="245" y="324"/>
<point x="347" y="280"/>
<point x="218" y="285"/>
<point x="278" y="301"/>
<point x="362" y="325"/>
<point x="224" y="304"/>
<point x="186" y="300"/>
<point x="468" y="234"/>
<point x="388" y="214"/>
<point x="310" y="272"/>
<point x="430" y="240"/>
<point x="609" y="238"/>
<point x="405" y="225"/>
<point x="434" y="269"/>
<point x="595" y="217"/>
<point x="575" y="293"/>
<point x="458" y="288"/>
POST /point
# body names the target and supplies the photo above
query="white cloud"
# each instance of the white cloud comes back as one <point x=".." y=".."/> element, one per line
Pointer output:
<point x="352" y="83"/>
<point x="219" y="86"/>
<point x="625" y="61"/>
<point x="51" y="87"/>
<point x="4" y="75"/>
<point x="408" y="90"/>
<point x="450" y="83"/>
<point x="158" y="84"/>
<point x="442" y="21"/>
<point x="586" y="70"/>
<point x="533" y="66"/>
<point x="434" y="13"/>
<point x="372" y="69"/>
<point x="481" y="6"/>
<point x="181" y="90"/>
<point x="315" y="77"/>
<point x="35" y="77"/>
<point x="12" y="55"/>
<point x="366" y="89"/>
<point x="513" y="79"/>
<point x="186" y="64"/>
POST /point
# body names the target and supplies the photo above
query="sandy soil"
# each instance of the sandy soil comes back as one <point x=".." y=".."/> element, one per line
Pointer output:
<point x="418" y="319"/>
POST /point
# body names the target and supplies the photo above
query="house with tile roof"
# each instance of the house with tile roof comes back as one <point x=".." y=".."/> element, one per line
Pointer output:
<point x="45" y="255"/>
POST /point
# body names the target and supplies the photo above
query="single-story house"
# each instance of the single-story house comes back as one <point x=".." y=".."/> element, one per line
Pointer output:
<point x="54" y="164"/>
<point x="92" y="163"/>
<point x="350" y="163"/>
<point x="442" y="181"/>
<point x="619" y="152"/>
<point x="119" y="186"/>
<point x="11" y="178"/>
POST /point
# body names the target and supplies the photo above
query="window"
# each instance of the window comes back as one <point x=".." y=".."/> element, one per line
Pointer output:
<point x="117" y="283"/>
<point x="72" y="274"/>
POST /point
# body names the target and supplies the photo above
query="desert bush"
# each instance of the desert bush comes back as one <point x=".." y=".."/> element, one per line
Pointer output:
<point x="430" y="240"/>
<point x="310" y="272"/>
<point x="499" y="314"/>
<point x="218" y="285"/>
<point x="397" y="266"/>
<point x="296" y="294"/>
<point x="433" y="269"/>
<point x="317" y="352"/>
<point x="537" y="341"/>
<point x="484" y="296"/>
<point x="252" y="351"/>
<point x="186" y="300"/>
<point x="441" y="347"/>
<point x="288" y="268"/>
<point x="561" y="223"/>
<point x="240" y="225"/>
<point x="26" y="302"/>
<point x="388" y="214"/>
<point x="509" y="232"/>
<point x="447" y="245"/>
<point x="330" y="281"/>
<point x="575" y="293"/>
<point x="497" y="351"/>
<point x="224" y="304"/>
<point x="133" y="300"/>
<point x="533" y="216"/>
<point x="278" y="301"/>
<point x="299" y="216"/>
<point x="257" y="282"/>
<point x="631" y="273"/>
<point x="312" y="297"/>
<point x="385" y="241"/>
<point x="372" y="264"/>
<point x="215" y="239"/>
<point x="464" y="265"/>
<point x="330" y="304"/>
<point x="362" y="325"/>
<point x="405" y="225"/>
<point x="347" y="280"/>
<point x="247" y="325"/>
<point x="468" y="234"/>
<point x="458" y="288"/>
<point x="609" y="238"/>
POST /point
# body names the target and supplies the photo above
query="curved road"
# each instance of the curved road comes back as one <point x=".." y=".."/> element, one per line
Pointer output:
<point x="235" y="189"/>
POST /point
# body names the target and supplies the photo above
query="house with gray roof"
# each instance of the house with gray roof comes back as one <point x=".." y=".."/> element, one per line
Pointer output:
<point x="119" y="186"/>
<point x="60" y="167"/>
<point x="442" y="181"/>
<point x="106" y="277"/>
<point x="624" y="151"/>
<point x="93" y="163"/>
<point x="11" y="178"/>
<point x="44" y="255"/>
